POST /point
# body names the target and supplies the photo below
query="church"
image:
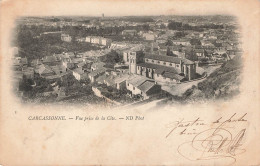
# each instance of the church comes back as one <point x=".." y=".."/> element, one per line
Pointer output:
<point x="162" y="68"/>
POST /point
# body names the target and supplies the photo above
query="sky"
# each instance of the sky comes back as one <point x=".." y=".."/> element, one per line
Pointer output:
<point x="119" y="7"/>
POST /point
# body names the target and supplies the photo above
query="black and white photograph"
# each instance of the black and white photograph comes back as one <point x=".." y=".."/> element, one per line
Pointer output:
<point x="119" y="60"/>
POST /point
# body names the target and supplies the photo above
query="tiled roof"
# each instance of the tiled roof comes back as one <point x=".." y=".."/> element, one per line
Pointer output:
<point x="49" y="59"/>
<point x="147" y="85"/>
<point x="168" y="72"/>
<point x="45" y="69"/>
<point x="78" y="70"/>
<point x="138" y="80"/>
<point x="96" y="72"/>
<point x="163" y="58"/>
<point x="159" y="68"/>
<point x="173" y="76"/>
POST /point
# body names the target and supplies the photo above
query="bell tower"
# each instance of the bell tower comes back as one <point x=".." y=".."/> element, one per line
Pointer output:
<point x="132" y="63"/>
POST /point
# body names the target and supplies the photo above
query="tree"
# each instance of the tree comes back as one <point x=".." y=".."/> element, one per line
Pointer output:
<point x="175" y="25"/>
<point x="169" y="52"/>
<point x="169" y="43"/>
<point x="111" y="58"/>
<point x="195" y="42"/>
<point x="25" y="84"/>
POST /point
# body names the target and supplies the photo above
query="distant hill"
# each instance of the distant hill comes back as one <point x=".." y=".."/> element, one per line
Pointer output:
<point x="141" y="19"/>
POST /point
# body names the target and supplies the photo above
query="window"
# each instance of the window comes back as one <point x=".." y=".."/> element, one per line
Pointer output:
<point x="158" y="62"/>
<point x="164" y="63"/>
<point x="152" y="60"/>
<point x="177" y="65"/>
<point x="128" y="84"/>
<point x="170" y="64"/>
<point x="147" y="60"/>
<point x="133" y="88"/>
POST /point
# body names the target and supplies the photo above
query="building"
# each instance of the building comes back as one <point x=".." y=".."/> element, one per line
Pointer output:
<point x="66" y="37"/>
<point x="200" y="53"/>
<point x="149" y="36"/>
<point x="95" y="74"/>
<point x="95" y="40"/>
<point x="129" y="32"/>
<point x="97" y="65"/>
<point x="88" y="39"/>
<point x="20" y="62"/>
<point x="134" y="59"/>
<point x="50" y="60"/>
<point x="79" y="74"/>
<point x="127" y="52"/>
<point x="163" y="68"/>
<point x="183" y="42"/>
<point x="98" y="40"/>
<point x="35" y="62"/>
<point x="142" y="86"/>
<point x="44" y="70"/>
<point x="106" y="42"/>
<point x="121" y="81"/>
<point x="58" y="69"/>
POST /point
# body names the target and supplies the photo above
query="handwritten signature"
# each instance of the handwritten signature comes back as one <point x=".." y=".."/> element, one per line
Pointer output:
<point x="220" y="140"/>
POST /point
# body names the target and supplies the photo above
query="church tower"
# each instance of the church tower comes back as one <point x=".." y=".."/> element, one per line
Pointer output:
<point x="132" y="63"/>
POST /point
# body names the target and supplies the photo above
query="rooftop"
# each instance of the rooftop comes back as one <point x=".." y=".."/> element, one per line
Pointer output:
<point x="138" y="80"/>
<point x="168" y="58"/>
<point x="147" y="85"/>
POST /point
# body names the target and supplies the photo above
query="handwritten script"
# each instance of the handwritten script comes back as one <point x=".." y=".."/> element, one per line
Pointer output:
<point x="222" y="138"/>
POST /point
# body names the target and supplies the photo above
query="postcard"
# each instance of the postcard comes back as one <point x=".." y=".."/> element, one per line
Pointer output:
<point x="139" y="82"/>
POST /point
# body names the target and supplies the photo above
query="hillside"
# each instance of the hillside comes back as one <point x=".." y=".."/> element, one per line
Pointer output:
<point x="221" y="84"/>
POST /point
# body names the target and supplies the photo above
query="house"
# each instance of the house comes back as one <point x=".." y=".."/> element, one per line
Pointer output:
<point x="36" y="62"/>
<point x="106" y="42"/>
<point x="129" y="32"/>
<point x="118" y="45"/>
<point x="50" y="60"/>
<point x="149" y="36"/>
<point x="68" y="65"/>
<point x="96" y="66"/>
<point x="142" y="86"/>
<point x="66" y="37"/>
<point x="28" y="72"/>
<point x="95" y="40"/>
<point x="77" y="60"/>
<point x="161" y="40"/>
<point x="207" y="43"/>
<point x="110" y="80"/>
<point x="120" y="81"/>
<point x="63" y="57"/>
<point x="88" y="39"/>
<point x="44" y="70"/>
<point x="200" y="53"/>
<point x="58" y="69"/>
<point x="79" y="74"/>
<point x="20" y="62"/>
<point x="95" y="74"/>
<point x="183" y="42"/>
